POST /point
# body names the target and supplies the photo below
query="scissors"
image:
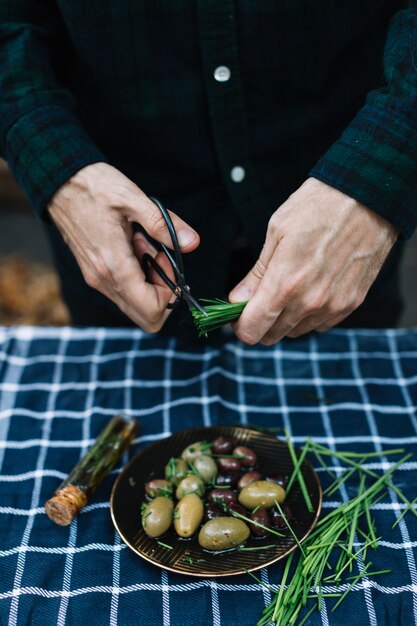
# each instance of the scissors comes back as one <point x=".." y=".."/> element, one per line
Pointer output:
<point x="180" y="289"/>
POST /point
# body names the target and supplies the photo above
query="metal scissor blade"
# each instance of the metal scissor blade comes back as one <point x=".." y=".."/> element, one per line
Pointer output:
<point x="191" y="301"/>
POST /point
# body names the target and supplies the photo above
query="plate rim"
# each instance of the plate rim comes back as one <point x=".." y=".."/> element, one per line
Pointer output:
<point x="126" y="468"/>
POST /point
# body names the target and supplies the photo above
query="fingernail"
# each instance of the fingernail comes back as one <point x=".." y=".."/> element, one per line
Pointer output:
<point x="186" y="237"/>
<point x="240" y="293"/>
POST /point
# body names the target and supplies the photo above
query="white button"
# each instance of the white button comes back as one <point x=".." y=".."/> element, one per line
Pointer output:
<point x="222" y="73"/>
<point x="237" y="174"/>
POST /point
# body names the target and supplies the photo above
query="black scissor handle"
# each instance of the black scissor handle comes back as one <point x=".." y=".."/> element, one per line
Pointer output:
<point x="180" y="289"/>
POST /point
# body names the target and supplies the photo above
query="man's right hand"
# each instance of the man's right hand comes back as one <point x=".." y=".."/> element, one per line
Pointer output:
<point x="94" y="212"/>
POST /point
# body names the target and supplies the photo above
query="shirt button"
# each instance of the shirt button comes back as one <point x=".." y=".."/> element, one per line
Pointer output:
<point x="222" y="73"/>
<point x="237" y="174"/>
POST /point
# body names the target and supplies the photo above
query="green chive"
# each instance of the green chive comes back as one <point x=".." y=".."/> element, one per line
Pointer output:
<point x="242" y="548"/>
<point x="300" y="477"/>
<point x="217" y="314"/>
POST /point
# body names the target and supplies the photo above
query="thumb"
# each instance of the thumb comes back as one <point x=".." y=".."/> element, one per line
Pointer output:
<point x="249" y="285"/>
<point x="148" y="215"/>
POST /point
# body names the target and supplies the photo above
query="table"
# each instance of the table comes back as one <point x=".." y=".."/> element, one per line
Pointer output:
<point x="348" y="389"/>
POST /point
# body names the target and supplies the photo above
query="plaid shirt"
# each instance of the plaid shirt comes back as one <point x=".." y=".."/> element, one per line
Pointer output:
<point x="220" y="108"/>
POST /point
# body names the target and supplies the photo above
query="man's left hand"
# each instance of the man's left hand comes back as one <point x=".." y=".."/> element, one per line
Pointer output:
<point x="323" y="251"/>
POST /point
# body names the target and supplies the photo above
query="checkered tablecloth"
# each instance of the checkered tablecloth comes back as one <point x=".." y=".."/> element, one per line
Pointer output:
<point x="58" y="387"/>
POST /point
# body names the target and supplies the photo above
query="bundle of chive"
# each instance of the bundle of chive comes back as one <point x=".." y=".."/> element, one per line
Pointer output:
<point x="339" y="542"/>
<point x="218" y="313"/>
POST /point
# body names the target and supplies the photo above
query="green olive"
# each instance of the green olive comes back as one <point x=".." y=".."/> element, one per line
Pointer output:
<point x="195" y="449"/>
<point x="190" y="484"/>
<point x="188" y="515"/>
<point x="222" y="533"/>
<point x="175" y="470"/>
<point x="157" y="516"/>
<point x="205" y="466"/>
<point x="261" y="493"/>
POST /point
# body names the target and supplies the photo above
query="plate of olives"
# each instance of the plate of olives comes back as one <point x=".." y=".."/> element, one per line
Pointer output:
<point x="212" y="501"/>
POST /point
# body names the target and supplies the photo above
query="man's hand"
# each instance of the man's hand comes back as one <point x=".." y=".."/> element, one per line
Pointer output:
<point x="94" y="212"/>
<point x="323" y="250"/>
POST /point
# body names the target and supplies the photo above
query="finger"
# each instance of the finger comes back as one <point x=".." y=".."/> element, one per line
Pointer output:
<point x="149" y="324"/>
<point x="277" y="333"/>
<point x="122" y="279"/>
<point x="264" y="308"/>
<point x="308" y="324"/>
<point x="147" y="214"/>
<point x="248" y="286"/>
<point x="319" y="324"/>
<point x="331" y="323"/>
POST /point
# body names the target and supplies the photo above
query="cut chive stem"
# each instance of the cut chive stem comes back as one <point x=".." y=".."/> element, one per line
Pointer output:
<point x="297" y="467"/>
<point x="216" y="314"/>
<point x="409" y="506"/>
<point x="346" y="533"/>
<point x="251" y="521"/>
<point x="300" y="476"/>
<point x="256" y="548"/>
<point x="284" y="517"/>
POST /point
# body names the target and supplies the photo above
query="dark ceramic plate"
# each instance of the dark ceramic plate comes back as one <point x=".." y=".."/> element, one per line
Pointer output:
<point x="187" y="557"/>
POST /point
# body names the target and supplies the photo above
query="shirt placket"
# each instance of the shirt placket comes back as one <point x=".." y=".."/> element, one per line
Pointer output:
<point x="226" y="108"/>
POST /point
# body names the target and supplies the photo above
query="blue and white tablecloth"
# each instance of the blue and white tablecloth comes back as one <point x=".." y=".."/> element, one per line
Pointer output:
<point x="347" y="389"/>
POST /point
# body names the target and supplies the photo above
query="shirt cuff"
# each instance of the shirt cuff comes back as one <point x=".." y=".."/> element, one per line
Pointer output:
<point x="44" y="148"/>
<point x="375" y="162"/>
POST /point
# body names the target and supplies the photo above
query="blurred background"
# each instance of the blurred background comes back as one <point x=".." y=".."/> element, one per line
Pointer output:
<point x="29" y="289"/>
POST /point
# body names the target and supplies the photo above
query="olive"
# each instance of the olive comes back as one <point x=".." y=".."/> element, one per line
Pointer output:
<point x="194" y="450"/>
<point x="281" y="480"/>
<point x="223" y="445"/>
<point x="206" y="467"/>
<point x="175" y="470"/>
<point x="158" y="487"/>
<point x="261" y="516"/>
<point x="223" y="533"/>
<point x="249" y="477"/>
<point x="190" y="484"/>
<point x="211" y="511"/>
<point x="235" y="507"/>
<point x="226" y="464"/>
<point x="261" y="493"/>
<point x="229" y="480"/>
<point x="276" y="518"/>
<point x="248" y="456"/>
<point x="157" y="516"/>
<point x="188" y="515"/>
<point x="220" y="496"/>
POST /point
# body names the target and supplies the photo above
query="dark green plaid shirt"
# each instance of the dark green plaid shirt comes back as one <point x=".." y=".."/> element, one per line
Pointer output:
<point x="220" y="107"/>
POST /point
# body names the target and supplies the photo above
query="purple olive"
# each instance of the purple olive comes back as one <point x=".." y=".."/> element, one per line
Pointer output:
<point x="227" y="465"/>
<point x="158" y="487"/>
<point x="279" y="479"/>
<point x="261" y="516"/>
<point x="220" y="496"/>
<point x="223" y="445"/>
<point x="276" y="518"/>
<point x="248" y="478"/>
<point x="211" y="511"/>
<point x="235" y="507"/>
<point x="248" y="456"/>
<point x="229" y="480"/>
